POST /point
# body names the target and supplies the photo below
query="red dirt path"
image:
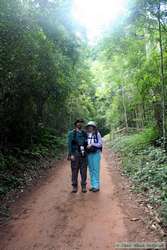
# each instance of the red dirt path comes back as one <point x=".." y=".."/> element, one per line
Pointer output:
<point x="52" y="218"/>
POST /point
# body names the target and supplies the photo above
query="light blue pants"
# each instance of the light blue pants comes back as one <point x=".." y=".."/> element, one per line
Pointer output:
<point x="94" y="169"/>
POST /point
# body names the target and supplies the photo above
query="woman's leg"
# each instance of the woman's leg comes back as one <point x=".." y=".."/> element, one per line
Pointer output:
<point x="90" y="166"/>
<point x="96" y="168"/>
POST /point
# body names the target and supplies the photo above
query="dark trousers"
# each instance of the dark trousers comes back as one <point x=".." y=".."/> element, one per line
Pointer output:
<point x="79" y="164"/>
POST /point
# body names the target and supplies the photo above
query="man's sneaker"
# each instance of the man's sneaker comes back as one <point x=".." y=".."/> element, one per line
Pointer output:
<point x="91" y="189"/>
<point x="84" y="190"/>
<point x="74" y="190"/>
<point x="96" y="190"/>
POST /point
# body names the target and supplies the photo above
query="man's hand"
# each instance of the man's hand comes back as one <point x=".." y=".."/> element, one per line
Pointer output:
<point x="89" y="146"/>
<point x="72" y="157"/>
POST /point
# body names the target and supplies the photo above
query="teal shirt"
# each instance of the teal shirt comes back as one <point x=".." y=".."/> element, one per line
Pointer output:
<point x="81" y="138"/>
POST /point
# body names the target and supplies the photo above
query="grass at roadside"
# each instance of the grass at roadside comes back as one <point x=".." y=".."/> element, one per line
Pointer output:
<point x="146" y="165"/>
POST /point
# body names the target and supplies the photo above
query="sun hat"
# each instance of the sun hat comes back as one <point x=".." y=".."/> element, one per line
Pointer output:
<point x="91" y="123"/>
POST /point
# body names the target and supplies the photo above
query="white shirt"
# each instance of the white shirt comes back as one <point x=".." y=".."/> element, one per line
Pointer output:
<point x="91" y="140"/>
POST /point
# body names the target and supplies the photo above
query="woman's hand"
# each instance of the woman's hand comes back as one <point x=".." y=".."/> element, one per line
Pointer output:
<point x="89" y="146"/>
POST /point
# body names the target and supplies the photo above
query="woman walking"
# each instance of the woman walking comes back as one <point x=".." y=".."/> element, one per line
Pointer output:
<point x="94" y="149"/>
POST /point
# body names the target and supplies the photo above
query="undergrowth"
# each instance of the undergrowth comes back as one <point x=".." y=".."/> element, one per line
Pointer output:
<point x="146" y="165"/>
<point x="19" y="166"/>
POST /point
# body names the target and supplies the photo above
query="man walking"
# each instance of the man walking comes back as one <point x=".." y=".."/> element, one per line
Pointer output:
<point x="77" y="142"/>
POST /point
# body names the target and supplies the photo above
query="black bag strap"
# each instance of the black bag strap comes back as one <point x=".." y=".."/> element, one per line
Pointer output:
<point x="96" y="136"/>
<point x="97" y="139"/>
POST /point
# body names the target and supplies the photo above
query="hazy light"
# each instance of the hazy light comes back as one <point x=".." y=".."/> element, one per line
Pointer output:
<point x="96" y="15"/>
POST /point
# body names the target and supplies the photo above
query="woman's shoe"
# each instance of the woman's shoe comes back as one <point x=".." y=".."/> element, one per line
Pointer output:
<point x="96" y="190"/>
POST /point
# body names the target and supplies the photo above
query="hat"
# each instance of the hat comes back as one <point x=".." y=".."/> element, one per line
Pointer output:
<point x="91" y="123"/>
<point x="78" y="120"/>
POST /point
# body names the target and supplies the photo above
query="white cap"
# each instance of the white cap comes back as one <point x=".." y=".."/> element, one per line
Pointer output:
<point x="91" y="123"/>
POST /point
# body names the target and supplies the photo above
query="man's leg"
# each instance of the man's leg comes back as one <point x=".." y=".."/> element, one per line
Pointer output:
<point x="75" y="170"/>
<point x="83" y="172"/>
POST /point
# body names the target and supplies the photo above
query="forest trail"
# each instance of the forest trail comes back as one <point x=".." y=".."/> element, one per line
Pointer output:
<point x="50" y="217"/>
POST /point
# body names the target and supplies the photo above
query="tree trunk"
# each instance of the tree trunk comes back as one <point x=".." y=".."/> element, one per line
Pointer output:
<point x="162" y="78"/>
<point x="124" y="107"/>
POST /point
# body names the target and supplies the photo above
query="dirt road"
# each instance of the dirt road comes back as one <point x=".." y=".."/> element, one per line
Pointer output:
<point x="50" y="217"/>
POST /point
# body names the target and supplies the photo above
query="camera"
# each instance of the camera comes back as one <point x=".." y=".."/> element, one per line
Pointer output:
<point x="82" y="149"/>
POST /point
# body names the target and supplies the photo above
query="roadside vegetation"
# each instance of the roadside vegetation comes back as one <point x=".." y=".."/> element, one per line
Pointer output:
<point x="146" y="165"/>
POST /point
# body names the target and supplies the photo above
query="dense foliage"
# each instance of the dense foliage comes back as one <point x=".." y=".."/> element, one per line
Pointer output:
<point x="41" y="71"/>
<point x="131" y="61"/>
<point x="45" y="82"/>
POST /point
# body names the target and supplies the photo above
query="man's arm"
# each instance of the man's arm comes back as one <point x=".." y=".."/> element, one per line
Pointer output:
<point x="70" y="137"/>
